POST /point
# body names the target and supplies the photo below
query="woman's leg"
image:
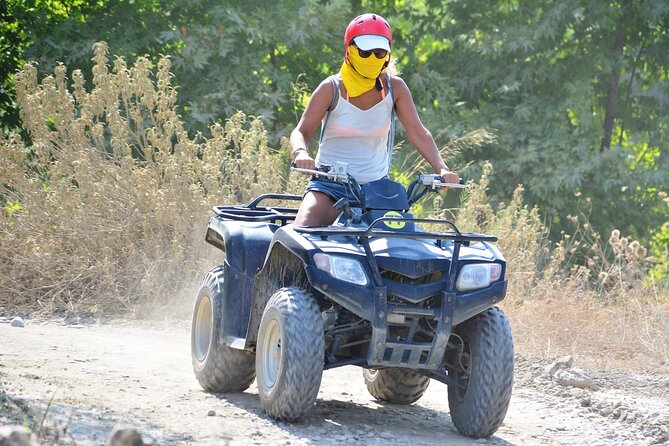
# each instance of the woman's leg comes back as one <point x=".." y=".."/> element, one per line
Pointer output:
<point x="316" y="210"/>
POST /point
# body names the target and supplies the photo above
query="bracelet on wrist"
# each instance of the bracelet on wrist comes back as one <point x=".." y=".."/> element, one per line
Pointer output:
<point x="298" y="150"/>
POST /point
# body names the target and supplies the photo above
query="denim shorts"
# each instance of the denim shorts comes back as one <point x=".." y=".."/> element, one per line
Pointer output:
<point x="334" y="190"/>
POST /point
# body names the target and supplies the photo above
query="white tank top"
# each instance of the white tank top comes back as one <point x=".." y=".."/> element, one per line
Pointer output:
<point x="358" y="137"/>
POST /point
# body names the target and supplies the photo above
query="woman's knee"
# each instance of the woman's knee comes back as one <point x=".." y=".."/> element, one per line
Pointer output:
<point x="315" y="210"/>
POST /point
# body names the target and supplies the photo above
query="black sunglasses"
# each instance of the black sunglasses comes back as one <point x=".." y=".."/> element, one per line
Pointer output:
<point x="379" y="53"/>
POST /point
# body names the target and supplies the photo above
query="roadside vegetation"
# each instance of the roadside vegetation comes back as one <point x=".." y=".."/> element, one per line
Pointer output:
<point x="105" y="204"/>
<point x="108" y="205"/>
<point x="30" y="421"/>
<point x="602" y="297"/>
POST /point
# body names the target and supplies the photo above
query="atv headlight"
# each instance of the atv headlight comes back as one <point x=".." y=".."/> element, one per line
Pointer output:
<point x="342" y="268"/>
<point x="478" y="275"/>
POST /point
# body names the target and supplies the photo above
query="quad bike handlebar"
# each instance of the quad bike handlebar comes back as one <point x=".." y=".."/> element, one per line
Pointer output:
<point x="338" y="173"/>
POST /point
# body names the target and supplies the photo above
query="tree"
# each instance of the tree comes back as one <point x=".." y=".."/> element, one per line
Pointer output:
<point x="52" y="31"/>
<point x="575" y="91"/>
<point x="263" y="57"/>
<point x="12" y="42"/>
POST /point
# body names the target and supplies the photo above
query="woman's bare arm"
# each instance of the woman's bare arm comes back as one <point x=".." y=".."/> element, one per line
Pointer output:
<point x="419" y="136"/>
<point x="309" y="122"/>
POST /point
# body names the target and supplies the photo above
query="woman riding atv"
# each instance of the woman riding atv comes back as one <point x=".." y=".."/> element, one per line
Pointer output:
<point x="356" y="108"/>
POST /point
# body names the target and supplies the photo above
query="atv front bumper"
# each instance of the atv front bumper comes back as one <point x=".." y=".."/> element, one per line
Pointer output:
<point x="384" y="352"/>
<point x="372" y="304"/>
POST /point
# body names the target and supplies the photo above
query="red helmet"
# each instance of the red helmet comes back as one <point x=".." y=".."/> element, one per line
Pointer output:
<point x="368" y="24"/>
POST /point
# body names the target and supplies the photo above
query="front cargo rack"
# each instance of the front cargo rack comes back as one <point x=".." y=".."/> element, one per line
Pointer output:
<point x="253" y="212"/>
<point x="365" y="233"/>
<point x="371" y="231"/>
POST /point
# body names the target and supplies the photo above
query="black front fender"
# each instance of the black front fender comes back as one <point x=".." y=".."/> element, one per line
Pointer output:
<point x="285" y="265"/>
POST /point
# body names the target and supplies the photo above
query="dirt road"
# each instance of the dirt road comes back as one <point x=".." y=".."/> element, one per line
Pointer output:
<point x="140" y="375"/>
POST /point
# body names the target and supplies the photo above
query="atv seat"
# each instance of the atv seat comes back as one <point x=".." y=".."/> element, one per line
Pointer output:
<point x="385" y="194"/>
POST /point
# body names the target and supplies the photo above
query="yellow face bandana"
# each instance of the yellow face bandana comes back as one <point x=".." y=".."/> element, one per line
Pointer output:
<point x="359" y="74"/>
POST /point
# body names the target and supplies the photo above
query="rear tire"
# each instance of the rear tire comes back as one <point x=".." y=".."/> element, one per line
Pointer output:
<point x="218" y="368"/>
<point x="397" y="386"/>
<point x="289" y="354"/>
<point x="478" y="410"/>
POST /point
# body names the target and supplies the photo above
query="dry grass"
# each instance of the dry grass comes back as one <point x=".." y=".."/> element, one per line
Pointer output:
<point x="112" y="207"/>
<point x="631" y="333"/>
<point x="585" y="295"/>
<point x="109" y="213"/>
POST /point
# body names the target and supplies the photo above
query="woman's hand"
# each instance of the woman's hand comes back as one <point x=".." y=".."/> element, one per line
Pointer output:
<point x="304" y="161"/>
<point x="449" y="177"/>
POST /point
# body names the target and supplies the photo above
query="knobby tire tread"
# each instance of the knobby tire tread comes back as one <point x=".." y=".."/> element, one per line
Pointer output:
<point x="489" y="391"/>
<point x="302" y="355"/>
<point x="225" y="369"/>
<point x="397" y="386"/>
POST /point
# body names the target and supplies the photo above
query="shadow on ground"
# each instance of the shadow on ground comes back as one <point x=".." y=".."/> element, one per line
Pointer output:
<point x="383" y="423"/>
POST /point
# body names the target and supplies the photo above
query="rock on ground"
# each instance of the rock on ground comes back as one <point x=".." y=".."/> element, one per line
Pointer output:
<point x="563" y="374"/>
<point x="125" y="437"/>
<point x="17" y="436"/>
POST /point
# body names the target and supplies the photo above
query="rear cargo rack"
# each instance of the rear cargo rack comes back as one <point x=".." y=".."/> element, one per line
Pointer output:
<point x="252" y="212"/>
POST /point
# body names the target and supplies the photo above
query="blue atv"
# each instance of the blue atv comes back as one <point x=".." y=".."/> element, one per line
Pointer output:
<point x="373" y="290"/>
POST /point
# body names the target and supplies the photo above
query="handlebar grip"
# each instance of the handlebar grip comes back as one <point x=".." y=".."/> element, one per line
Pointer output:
<point x="461" y="181"/>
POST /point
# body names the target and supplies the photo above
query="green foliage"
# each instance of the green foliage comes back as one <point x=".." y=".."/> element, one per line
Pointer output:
<point x="255" y="55"/>
<point x="12" y="207"/>
<point x="52" y="31"/>
<point x="540" y="74"/>
<point x="65" y="30"/>
<point x="575" y="92"/>
<point x="12" y="39"/>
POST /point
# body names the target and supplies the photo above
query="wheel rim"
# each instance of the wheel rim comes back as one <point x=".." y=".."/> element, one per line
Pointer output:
<point x="370" y="374"/>
<point x="204" y="326"/>
<point x="466" y="364"/>
<point x="271" y="354"/>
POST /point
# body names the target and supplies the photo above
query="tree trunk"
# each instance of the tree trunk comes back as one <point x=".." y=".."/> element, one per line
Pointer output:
<point x="629" y="90"/>
<point x="612" y="96"/>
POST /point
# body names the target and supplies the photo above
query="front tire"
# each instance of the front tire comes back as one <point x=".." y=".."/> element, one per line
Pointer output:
<point x="487" y="358"/>
<point x="397" y="386"/>
<point x="289" y="354"/>
<point x="218" y="368"/>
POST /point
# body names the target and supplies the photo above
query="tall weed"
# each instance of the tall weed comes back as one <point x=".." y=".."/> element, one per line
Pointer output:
<point x="111" y="208"/>
<point x="585" y="294"/>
